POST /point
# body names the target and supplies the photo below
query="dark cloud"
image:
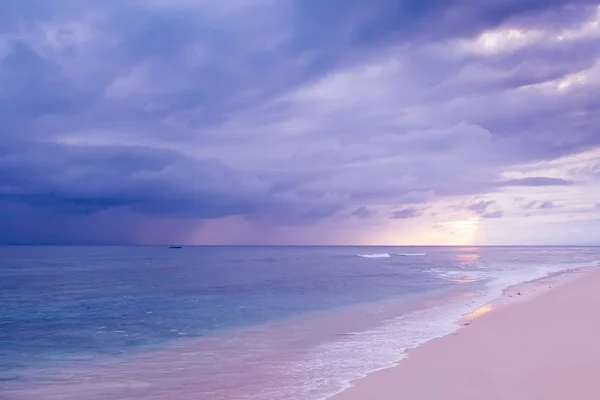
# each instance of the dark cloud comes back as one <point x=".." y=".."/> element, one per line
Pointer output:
<point x="363" y="213"/>
<point x="537" y="181"/>
<point x="480" y="207"/>
<point x="125" y="115"/>
<point x="486" y="209"/>
<point x="84" y="180"/>
<point x="22" y="225"/>
<point x="34" y="86"/>
<point x="547" y="205"/>
<point x="540" y="205"/>
<point x="80" y="179"/>
<point x="458" y="18"/>
<point x="407" y="213"/>
<point x="493" y="214"/>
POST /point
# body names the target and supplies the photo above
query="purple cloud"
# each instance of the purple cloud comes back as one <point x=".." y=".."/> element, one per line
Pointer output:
<point x="537" y="181"/>
<point x="540" y="205"/>
<point x="492" y="214"/>
<point x="363" y="213"/>
<point x="480" y="207"/>
<point x="284" y="114"/>
<point x="407" y="213"/>
<point x="486" y="209"/>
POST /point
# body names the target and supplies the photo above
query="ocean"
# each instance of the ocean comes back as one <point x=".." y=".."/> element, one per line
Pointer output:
<point x="237" y="322"/>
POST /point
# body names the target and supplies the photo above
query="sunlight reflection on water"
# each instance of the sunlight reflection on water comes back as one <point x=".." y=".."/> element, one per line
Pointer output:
<point x="480" y="311"/>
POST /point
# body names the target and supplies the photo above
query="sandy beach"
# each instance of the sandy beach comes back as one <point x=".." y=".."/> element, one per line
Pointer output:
<point x="539" y="341"/>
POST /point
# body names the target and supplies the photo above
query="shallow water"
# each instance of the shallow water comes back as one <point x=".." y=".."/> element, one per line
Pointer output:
<point x="236" y="322"/>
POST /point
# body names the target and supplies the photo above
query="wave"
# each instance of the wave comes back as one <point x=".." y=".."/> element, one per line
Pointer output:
<point x="385" y="346"/>
<point x="352" y="357"/>
<point x="375" y="255"/>
<point x="499" y="276"/>
<point x="388" y="255"/>
<point x="461" y="274"/>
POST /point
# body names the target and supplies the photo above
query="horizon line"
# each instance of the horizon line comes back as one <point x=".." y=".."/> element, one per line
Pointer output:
<point x="289" y="245"/>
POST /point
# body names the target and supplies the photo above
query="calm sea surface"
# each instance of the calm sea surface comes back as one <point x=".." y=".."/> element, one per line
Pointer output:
<point x="236" y="322"/>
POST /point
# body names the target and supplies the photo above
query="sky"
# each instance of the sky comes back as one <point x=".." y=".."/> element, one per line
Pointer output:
<point x="425" y="122"/>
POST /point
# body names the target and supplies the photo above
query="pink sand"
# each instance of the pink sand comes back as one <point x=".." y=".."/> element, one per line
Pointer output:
<point x="544" y="348"/>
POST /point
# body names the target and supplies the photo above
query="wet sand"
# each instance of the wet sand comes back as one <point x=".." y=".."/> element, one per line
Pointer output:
<point x="541" y="340"/>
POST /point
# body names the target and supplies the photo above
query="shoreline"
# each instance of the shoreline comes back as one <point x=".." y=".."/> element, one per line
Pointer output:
<point x="525" y="291"/>
<point x="127" y="374"/>
<point x="412" y="376"/>
<point x="148" y="373"/>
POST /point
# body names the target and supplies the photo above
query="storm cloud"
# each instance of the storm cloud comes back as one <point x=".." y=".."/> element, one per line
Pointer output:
<point x="290" y="121"/>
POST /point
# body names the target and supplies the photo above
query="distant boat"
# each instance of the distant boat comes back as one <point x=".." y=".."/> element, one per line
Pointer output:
<point x="174" y="247"/>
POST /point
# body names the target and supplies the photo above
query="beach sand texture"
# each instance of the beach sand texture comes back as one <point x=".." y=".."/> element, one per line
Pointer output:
<point x="543" y="348"/>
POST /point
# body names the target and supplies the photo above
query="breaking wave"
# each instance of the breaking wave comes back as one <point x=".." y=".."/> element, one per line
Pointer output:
<point x="388" y="255"/>
<point x="375" y="255"/>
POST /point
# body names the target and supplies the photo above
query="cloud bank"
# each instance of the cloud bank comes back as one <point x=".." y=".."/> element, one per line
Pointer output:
<point x="262" y="121"/>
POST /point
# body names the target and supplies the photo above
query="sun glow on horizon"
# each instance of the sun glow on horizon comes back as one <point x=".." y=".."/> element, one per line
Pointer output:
<point x="464" y="231"/>
<point x="459" y="232"/>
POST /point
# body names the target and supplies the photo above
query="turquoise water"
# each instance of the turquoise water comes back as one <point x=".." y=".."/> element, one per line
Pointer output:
<point x="66" y="308"/>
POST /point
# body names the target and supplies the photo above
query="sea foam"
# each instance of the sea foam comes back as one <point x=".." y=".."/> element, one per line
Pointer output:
<point x="375" y="255"/>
